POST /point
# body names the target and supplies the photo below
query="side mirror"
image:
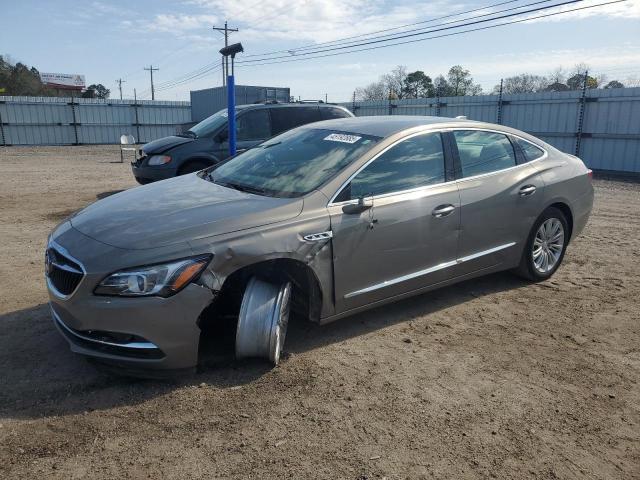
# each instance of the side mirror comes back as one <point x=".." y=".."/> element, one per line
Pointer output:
<point x="364" y="203"/>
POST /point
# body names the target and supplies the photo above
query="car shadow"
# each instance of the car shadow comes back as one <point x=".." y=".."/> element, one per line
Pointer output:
<point x="102" y="195"/>
<point x="41" y="377"/>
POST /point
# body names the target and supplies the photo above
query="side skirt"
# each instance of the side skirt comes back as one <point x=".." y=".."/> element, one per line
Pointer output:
<point x="478" y="273"/>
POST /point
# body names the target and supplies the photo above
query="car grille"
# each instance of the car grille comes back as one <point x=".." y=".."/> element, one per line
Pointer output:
<point x="63" y="273"/>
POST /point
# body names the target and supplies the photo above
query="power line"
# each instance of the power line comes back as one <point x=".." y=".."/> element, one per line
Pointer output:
<point x="188" y="79"/>
<point x="430" y="30"/>
<point x="310" y="46"/>
<point x="438" y="36"/>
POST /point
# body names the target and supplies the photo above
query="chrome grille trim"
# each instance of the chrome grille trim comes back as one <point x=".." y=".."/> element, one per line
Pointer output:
<point x="61" y="251"/>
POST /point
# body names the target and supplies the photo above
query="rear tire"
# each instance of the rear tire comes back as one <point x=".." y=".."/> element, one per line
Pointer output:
<point x="263" y="320"/>
<point x="192" y="167"/>
<point x="545" y="247"/>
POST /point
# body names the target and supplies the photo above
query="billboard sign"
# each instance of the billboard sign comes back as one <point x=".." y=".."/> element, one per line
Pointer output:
<point x="63" y="80"/>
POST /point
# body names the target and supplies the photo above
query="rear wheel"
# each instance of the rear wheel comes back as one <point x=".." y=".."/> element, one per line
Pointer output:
<point x="263" y="320"/>
<point x="193" y="166"/>
<point x="545" y="247"/>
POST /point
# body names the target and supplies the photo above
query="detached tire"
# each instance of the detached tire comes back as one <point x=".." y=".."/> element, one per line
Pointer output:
<point x="263" y="320"/>
<point x="545" y="247"/>
<point x="192" y="167"/>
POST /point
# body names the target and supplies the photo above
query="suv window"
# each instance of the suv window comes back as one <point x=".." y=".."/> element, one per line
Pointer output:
<point x="483" y="152"/>
<point x="329" y="113"/>
<point x="529" y="150"/>
<point x="415" y="162"/>
<point x="284" y="118"/>
<point x="254" y="125"/>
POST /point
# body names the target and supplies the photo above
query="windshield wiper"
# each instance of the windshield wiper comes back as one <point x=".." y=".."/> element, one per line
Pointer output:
<point x="271" y="145"/>
<point x="237" y="186"/>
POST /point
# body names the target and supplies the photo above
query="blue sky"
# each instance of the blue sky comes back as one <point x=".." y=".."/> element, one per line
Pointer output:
<point x="110" y="39"/>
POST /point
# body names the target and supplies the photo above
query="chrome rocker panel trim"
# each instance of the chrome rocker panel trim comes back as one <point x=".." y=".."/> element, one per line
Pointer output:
<point x="426" y="271"/>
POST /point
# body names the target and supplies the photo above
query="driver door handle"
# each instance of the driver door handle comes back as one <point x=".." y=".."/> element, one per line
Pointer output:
<point x="443" y="210"/>
<point x="527" y="190"/>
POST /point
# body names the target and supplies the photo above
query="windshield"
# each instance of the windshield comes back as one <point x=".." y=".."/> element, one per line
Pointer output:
<point x="210" y="124"/>
<point x="294" y="163"/>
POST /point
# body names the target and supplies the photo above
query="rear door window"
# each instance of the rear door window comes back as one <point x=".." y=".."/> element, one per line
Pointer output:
<point x="483" y="152"/>
<point x="329" y="113"/>
<point x="253" y="125"/>
<point x="286" y="118"/>
<point x="529" y="150"/>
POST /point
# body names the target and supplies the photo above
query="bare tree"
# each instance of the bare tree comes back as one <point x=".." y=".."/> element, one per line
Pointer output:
<point x="373" y="91"/>
<point x="632" y="81"/>
<point x="395" y="81"/>
<point x="523" y="83"/>
<point x="558" y="75"/>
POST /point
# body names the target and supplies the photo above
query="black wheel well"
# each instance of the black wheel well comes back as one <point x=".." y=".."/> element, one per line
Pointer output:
<point x="564" y="208"/>
<point x="306" y="295"/>
<point x="192" y="160"/>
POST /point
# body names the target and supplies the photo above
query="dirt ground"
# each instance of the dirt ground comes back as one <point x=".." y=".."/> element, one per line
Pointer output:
<point x="492" y="378"/>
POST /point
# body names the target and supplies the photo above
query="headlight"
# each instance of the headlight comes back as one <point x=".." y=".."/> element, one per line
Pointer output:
<point x="159" y="160"/>
<point x="162" y="280"/>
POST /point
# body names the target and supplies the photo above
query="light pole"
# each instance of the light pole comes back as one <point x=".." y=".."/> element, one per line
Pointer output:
<point x="231" y="51"/>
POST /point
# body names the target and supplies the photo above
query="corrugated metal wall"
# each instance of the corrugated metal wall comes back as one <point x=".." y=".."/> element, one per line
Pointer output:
<point x="609" y="135"/>
<point x="66" y="121"/>
<point x="210" y="100"/>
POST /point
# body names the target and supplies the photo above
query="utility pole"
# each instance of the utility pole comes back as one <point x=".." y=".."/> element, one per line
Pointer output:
<point x="151" y="69"/>
<point x="120" y="82"/>
<point x="225" y="60"/>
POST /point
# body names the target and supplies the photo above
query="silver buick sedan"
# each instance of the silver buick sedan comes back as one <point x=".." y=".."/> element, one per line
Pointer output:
<point x="321" y="222"/>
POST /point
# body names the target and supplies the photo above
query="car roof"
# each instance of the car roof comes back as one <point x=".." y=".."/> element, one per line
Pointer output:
<point x="295" y="105"/>
<point x="384" y="126"/>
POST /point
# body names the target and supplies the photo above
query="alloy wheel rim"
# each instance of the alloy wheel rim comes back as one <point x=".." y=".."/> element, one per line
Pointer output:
<point x="547" y="245"/>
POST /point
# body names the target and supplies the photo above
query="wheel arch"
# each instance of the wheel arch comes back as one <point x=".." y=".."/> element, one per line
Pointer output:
<point x="307" y="290"/>
<point x="196" y="158"/>
<point x="564" y="207"/>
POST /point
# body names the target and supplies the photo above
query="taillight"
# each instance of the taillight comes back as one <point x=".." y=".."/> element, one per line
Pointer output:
<point x="590" y="174"/>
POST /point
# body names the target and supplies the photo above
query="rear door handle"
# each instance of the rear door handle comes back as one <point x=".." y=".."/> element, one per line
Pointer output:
<point x="527" y="190"/>
<point x="443" y="210"/>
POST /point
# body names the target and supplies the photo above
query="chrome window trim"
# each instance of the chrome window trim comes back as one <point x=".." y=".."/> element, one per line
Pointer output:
<point x="506" y="134"/>
<point x="332" y="202"/>
<point x="132" y="345"/>
<point x="426" y="271"/>
<point x="55" y="246"/>
<point x="388" y="147"/>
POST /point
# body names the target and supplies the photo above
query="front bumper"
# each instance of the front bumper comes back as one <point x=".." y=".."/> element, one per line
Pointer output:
<point x="142" y="333"/>
<point x="163" y="332"/>
<point x="145" y="174"/>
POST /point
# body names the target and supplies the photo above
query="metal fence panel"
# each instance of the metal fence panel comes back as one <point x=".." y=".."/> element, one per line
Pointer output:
<point x="66" y="121"/>
<point x="609" y="134"/>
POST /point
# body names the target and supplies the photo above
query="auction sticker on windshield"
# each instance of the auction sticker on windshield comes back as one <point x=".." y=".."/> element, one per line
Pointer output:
<point x="341" y="137"/>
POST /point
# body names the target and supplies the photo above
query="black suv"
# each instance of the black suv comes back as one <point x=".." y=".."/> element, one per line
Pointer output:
<point x="206" y="143"/>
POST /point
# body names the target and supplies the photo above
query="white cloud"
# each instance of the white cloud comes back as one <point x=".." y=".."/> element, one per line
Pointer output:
<point x="179" y="23"/>
<point x="325" y="20"/>
<point x="320" y="20"/>
<point x="627" y="9"/>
